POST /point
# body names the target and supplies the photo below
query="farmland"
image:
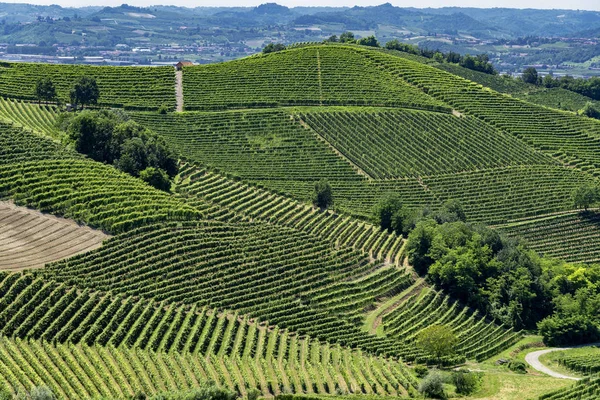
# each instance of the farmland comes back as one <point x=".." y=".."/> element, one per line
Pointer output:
<point x="233" y="272"/>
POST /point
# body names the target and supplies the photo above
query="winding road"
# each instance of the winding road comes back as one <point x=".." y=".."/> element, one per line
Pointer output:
<point x="533" y="359"/>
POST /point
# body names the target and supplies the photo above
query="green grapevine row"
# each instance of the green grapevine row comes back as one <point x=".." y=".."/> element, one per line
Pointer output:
<point x="586" y="389"/>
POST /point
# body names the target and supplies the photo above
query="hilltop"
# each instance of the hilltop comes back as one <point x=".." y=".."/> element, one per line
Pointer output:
<point x="234" y="275"/>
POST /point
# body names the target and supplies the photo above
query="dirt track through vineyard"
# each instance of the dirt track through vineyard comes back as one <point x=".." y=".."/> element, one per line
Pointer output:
<point x="30" y="239"/>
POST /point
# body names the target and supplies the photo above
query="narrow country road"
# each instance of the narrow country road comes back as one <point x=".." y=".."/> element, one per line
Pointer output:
<point x="179" y="90"/>
<point x="533" y="359"/>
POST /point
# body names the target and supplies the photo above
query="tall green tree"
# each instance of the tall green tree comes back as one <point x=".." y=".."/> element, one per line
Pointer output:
<point x="530" y="75"/>
<point x="45" y="90"/>
<point x="322" y="196"/>
<point x="85" y="92"/>
<point x="585" y="196"/>
<point x="370" y="41"/>
<point x="347" y="37"/>
<point x="437" y="340"/>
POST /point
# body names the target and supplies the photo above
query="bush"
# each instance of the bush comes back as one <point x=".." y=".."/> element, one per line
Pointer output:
<point x="42" y="393"/>
<point x="421" y="370"/>
<point x="156" y="177"/>
<point x="433" y="385"/>
<point x="517" y="366"/>
<point x="466" y="382"/>
<point x="568" y="330"/>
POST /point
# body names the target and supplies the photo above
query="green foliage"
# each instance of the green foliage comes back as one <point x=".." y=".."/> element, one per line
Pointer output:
<point x="347" y="37"/>
<point x="421" y="370"/>
<point x="517" y="366"/>
<point x="590" y="110"/>
<point x="85" y="92"/>
<point x="465" y="381"/>
<point x="205" y="392"/>
<point x="451" y="211"/>
<point x="395" y="44"/>
<point x="438" y="340"/>
<point x="322" y="197"/>
<point x="385" y="211"/>
<point x="107" y="137"/>
<point x="560" y="330"/>
<point x="163" y="109"/>
<point x="370" y="41"/>
<point x="586" y="196"/>
<point x="45" y="90"/>
<point x="273" y="47"/>
<point x="42" y="393"/>
<point x="432" y="385"/>
<point x="530" y="75"/>
<point x="156" y="177"/>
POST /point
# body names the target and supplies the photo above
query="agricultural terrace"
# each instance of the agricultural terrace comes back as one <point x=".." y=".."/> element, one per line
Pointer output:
<point x="128" y="87"/>
<point x="586" y="389"/>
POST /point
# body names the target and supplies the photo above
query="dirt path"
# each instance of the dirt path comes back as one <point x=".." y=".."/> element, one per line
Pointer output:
<point x="533" y="359"/>
<point x="179" y="90"/>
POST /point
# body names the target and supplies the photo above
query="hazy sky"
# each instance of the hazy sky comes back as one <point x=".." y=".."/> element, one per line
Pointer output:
<point x="562" y="4"/>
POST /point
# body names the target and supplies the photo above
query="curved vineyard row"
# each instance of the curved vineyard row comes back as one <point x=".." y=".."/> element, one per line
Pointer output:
<point x="478" y="338"/>
<point x="38" y="309"/>
<point x="276" y="274"/>
<point x="258" y="204"/>
<point x="573" y="236"/>
<point x="394" y="143"/>
<point x="586" y="389"/>
<point x="29" y="239"/>
<point x="129" y="87"/>
<point x="39" y="173"/>
<point x="588" y="364"/>
<point x="39" y="118"/>
<point x="302" y="76"/>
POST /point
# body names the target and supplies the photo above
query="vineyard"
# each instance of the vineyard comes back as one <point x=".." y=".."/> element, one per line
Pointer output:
<point x="303" y="76"/>
<point x="30" y="240"/>
<point x="130" y="87"/>
<point x="231" y="274"/>
<point x="586" y="389"/>
<point x="588" y="364"/>
<point x="570" y="236"/>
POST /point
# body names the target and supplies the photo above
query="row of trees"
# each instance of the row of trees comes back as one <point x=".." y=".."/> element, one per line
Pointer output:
<point x="587" y="87"/>
<point x="84" y="92"/>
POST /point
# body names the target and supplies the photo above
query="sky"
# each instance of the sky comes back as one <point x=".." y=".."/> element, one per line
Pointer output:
<point x="545" y="4"/>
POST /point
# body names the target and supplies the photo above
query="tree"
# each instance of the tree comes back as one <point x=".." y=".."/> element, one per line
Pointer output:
<point x="347" y="37"/>
<point x="530" y="75"/>
<point x="85" y="91"/>
<point x="322" y="197"/>
<point x="451" y="211"/>
<point x="157" y="178"/>
<point x="370" y="41"/>
<point x="560" y="330"/>
<point x="433" y="385"/>
<point x="385" y="210"/>
<point x="333" y="39"/>
<point x="45" y="90"/>
<point x="273" y="47"/>
<point x="590" y="110"/>
<point x="437" y="340"/>
<point x="42" y="393"/>
<point x="585" y="196"/>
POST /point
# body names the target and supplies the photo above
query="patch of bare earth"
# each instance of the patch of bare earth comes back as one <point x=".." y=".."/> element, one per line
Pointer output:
<point x="30" y="239"/>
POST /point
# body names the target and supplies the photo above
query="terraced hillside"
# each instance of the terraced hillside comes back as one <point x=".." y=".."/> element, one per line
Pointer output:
<point x="231" y="276"/>
<point x="587" y="389"/>
<point x="29" y="239"/>
<point x="131" y="87"/>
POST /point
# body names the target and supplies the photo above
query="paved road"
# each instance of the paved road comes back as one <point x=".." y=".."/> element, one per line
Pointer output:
<point x="533" y="359"/>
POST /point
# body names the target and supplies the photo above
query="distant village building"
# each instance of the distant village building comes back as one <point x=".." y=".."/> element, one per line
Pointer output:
<point x="182" y="64"/>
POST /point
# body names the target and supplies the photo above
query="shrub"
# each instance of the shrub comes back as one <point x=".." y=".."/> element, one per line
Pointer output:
<point x="421" y="370"/>
<point x="163" y="109"/>
<point x="562" y="330"/>
<point x="322" y="196"/>
<point x="517" y="366"/>
<point x="156" y="177"/>
<point x="466" y="382"/>
<point x="433" y="385"/>
<point x="42" y="393"/>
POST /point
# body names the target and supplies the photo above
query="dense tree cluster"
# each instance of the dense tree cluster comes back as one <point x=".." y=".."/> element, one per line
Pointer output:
<point x="501" y="277"/>
<point x="273" y="47"/>
<point x="587" y="87"/>
<point x="110" y="137"/>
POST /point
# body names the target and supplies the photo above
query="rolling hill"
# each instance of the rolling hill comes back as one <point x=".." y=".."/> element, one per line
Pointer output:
<point x="233" y="275"/>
